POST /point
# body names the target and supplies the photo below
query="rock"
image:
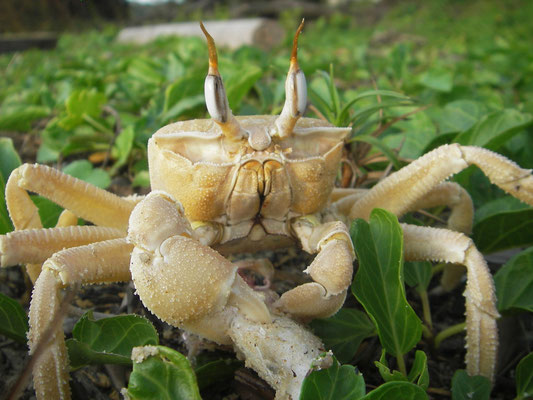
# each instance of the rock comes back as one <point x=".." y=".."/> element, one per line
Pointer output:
<point x="234" y="33"/>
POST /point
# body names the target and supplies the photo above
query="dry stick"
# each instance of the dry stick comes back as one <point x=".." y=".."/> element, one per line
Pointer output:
<point x="43" y="344"/>
<point x="317" y="112"/>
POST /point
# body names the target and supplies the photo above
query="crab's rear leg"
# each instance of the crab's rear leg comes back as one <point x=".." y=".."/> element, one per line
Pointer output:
<point x="106" y="261"/>
<point x="424" y="243"/>
<point x="331" y="270"/>
<point x="81" y="198"/>
<point x="402" y="190"/>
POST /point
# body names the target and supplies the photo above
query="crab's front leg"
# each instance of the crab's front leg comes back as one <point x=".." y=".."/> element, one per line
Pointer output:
<point x="182" y="281"/>
<point x="331" y="269"/>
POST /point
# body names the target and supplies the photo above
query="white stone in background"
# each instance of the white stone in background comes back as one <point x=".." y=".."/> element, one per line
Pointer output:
<point x="233" y="33"/>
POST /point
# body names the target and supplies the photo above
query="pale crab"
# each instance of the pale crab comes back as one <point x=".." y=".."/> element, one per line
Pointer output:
<point x="240" y="184"/>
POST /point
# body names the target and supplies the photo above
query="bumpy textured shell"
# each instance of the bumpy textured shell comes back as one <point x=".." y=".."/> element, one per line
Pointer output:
<point x="195" y="163"/>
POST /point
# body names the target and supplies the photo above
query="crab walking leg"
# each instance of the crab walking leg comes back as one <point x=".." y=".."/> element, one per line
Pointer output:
<point x="35" y="246"/>
<point x="331" y="270"/>
<point x="83" y="199"/>
<point x="401" y="190"/>
<point x="424" y="243"/>
<point x="183" y="282"/>
<point x="106" y="261"/>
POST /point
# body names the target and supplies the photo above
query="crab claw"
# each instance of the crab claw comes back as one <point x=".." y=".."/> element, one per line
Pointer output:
<point x="183" y="282"/>
<point x="295" y="92"/>
<point x="215" y="95"/>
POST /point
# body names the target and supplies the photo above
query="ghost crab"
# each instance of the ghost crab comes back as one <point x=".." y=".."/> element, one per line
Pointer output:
<point x="235" y="184"/>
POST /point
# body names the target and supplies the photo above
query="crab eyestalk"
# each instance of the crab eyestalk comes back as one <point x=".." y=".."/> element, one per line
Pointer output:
<point x="215" y="95"/>
<point x="295" y="92"/>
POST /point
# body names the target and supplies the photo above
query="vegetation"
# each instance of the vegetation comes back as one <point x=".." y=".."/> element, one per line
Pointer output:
<point x="421" y="76"/>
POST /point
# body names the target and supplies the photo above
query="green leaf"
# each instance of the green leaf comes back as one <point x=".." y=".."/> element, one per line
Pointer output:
<point x="48" y="211"/>
<point x="9" y="158"/>
<point x="386" y="373"/>
<point x="83" y="169"/>
<point x="514" y="283"/>
<point x="344" y="332"/>
<point x="20" y="118"/>
<point x="466" y="387"/>
<point x="437" y="78"/>
<point x="381" y="146"/>
<point x="343" y="117"/>
<point x="524" y="377"/>
<point x="82" y="102"/>
<point x="379" y="283"/>
<point x="397" y="390"/>
<point x="108" y="340"/>
<point x="239" y="84"/>
<point x="5" y="222"/>
<point x="162" y="374"/>
<point x="460" y="115"/>
<point x="495" y="129"/>
<point x="13" y="319"/>
<point x="336" y="382"/>
<point x="418" y="274"/>
<point x="507" y="229"/>
<point x="216" y="372"/>
<point x="122" y="147"/>
<point x="419" y="370"/>
<point x="182" y="106"/>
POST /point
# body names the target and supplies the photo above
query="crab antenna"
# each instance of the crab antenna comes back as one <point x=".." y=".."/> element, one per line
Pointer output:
<point x="295" y="92"/>
<point x="215" y="94"/>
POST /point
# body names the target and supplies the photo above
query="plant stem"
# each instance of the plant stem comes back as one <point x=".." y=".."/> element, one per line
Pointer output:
<point x="426" y="310"/>
<point x="450" y="331"/>
<point x="401" y="364"/>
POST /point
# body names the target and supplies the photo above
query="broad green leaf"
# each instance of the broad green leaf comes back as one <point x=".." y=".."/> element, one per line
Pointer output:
<point x="418" y="274"/>
<point x="379" y="283"/>
<point x="397" y="390"/>
<point x="344" y="332"/>
<point x="161" y="373"/>
<point x="460" y="115"/>
<point x="386" y="373"/>
<point x="239" y="84"/>
<point x="122" y="147"/>
<point x="437" y="78"/>
<point x="514" y="283"/>
<point x="5" y="221"/>
<point x="495" y="129"/>
<point x="465" y="387"/>
<point x="336" y="382"/>
<point x="507" y="229"/>
<point x="497" y="206"/>
<point x="145" y="70"/>
<point x="13" y="319"/>
<point x="524" y="378"/>
<point x="216" y="372"/>
<point x="182" y="106"/>
<point x="9" y="158"/>
<point x="20" y="118"/>
<point x="84" y="170"/>
<point x="82" y="102"/>
<point x="96" y="341"/>
<point x="419" y="370"/>
<point x="188" y="86"/>
<point x="48" y="211"/>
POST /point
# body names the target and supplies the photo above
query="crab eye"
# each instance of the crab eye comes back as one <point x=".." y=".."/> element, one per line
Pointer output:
<point x="215" y="95"/>
<point x="216" y="99"/>
<point x="295" y="93"/>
